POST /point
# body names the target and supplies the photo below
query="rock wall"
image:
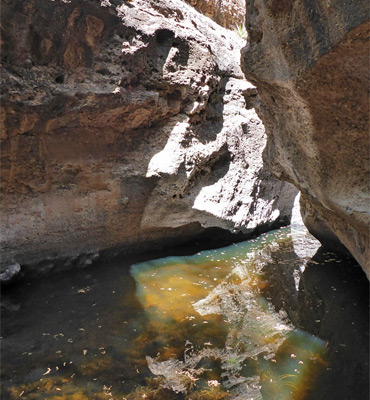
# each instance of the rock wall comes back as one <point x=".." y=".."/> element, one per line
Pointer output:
<point x="227" y="13"/>
<point x="126" y="125"/>
<point x="310" y="63"/>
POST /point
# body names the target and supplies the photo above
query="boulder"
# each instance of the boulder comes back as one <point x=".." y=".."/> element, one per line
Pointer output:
<point x="310" y="63"/>
<point x="9" y="273"/>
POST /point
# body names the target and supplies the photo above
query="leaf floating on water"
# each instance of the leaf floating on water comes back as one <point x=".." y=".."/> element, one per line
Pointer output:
<point x="48" y="371"/>
<point x="84" y="290"/>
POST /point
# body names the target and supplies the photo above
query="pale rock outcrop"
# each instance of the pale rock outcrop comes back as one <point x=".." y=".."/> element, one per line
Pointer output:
<point x="310" y="63"/>
<point x="228" y="13"/>
<point x="127" y="125"/>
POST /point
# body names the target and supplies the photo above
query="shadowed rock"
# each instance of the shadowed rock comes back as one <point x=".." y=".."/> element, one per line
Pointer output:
<point x="309" y="61"/>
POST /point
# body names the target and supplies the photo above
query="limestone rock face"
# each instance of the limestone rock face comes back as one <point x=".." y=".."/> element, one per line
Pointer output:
<point x="126" y="125"/>
<point x="310" y="63"/>
<point x="227" y="13"/>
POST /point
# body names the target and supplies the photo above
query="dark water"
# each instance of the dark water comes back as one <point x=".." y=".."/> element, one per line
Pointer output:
<point x="255" y="320"/>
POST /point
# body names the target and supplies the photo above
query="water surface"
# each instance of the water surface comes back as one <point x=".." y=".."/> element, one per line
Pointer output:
<point x="259" y="319"/>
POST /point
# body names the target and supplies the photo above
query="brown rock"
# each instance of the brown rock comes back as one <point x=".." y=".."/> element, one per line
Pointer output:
<point x="129" y="130"/>
<point x="94" y="29"/>
<point x="309" y="62"/>
<point x="227" y="13"/>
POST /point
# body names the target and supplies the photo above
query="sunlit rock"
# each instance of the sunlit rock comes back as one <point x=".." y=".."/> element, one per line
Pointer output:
<point x="126" y="125"/>
<point x="228" y="13"/>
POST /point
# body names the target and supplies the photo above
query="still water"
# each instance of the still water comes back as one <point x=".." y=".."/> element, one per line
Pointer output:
<point x="269" y="318"/>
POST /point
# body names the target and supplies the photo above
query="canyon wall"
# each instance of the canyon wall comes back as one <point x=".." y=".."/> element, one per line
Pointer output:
<point x="126" y="125"/>
<point x="228" y="13"/>
<point x="310" y="63"/>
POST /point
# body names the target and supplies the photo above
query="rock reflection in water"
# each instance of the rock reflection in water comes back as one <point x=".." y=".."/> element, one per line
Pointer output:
<point x="262" y="353"/>
<point x="259" y="319"/>
<point x="331" y="301"/>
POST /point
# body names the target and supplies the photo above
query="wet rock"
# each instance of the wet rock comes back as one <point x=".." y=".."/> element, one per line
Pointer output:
<point x="134" y="129"/>
<point x="9" y="273"/>
<point x="309" y="62"/>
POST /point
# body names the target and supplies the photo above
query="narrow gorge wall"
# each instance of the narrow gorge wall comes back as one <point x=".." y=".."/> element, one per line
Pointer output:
<point x="228" y="13"/>
<point x="310" y="63"/>
<point x="126" y="125"/>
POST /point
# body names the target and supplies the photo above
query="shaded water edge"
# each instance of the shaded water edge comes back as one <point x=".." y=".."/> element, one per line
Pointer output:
<point x="161" y="243"/>
<point x="259" y="319"/>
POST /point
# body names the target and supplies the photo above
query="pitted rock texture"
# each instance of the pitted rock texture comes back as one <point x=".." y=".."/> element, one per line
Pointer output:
<point x="126" y="125"/>
<point x="310" y="63"/>
<point x="227" y="13"/>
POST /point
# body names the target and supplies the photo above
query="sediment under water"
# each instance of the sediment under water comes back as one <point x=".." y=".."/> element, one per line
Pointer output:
<point x="261" y="319"/>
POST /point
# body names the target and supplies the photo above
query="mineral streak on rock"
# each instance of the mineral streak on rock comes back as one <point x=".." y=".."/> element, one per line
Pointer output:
<point x="310" y="63"/>
<point x="125" y="124"/>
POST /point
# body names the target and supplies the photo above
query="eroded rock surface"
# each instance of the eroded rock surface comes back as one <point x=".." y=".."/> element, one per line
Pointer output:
<point x="126" y="124"/>
<point x="228" y="13"/>
<point x="310" y="63"/>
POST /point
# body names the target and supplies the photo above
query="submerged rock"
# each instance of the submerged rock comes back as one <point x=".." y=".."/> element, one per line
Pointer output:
<point x="309" y="61"/>
<point x="126" y="125"/>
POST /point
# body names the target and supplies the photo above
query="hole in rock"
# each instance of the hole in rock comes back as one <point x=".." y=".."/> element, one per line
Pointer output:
<point x="59" y="79"/>
<point x="164" y="35"/>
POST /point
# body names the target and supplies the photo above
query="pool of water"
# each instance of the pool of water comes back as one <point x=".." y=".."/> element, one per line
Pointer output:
<point x="269" y="318"/>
